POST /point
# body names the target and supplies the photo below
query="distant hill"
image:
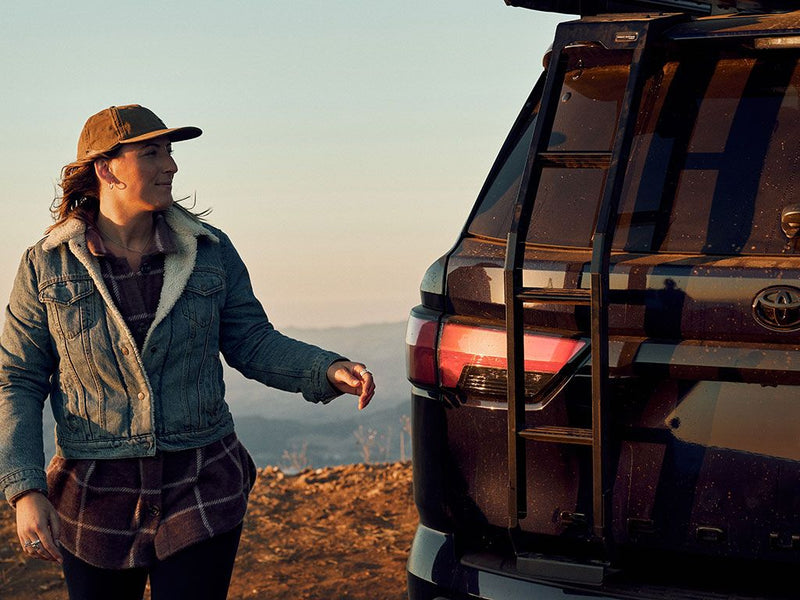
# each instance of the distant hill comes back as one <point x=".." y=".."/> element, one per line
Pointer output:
<point x="380" y="346"/>
<point x="270" y="422"/>
<point x="376" y="436"/>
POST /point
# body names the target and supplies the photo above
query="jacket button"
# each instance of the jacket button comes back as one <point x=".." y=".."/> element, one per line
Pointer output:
<point x="154" y="510"/>
<point x="126" y="350"/>
<point x="141" y="395"/>
<point x="153" y="349"/>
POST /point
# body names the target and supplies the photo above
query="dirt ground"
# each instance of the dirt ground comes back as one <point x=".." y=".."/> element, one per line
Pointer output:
<point x="338" y="532"/>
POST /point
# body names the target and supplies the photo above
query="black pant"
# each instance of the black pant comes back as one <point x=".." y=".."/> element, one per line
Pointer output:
<point x="200" y="572"/>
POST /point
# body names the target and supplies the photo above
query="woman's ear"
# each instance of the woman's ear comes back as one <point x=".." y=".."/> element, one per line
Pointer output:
<point x="103" y="172"/>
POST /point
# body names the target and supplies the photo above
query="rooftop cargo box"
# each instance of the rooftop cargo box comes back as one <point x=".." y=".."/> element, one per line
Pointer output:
<point x="695" y="7"/>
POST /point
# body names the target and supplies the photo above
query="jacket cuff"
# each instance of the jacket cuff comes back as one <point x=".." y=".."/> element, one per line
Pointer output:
<point x="17" y="483"/>
<point x="323" y="391"/>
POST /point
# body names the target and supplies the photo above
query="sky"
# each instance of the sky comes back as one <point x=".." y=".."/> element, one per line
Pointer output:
<point x="344" y="141"/>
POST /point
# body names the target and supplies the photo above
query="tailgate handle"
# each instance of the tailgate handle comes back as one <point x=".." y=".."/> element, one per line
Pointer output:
<point x="710" y="534"/>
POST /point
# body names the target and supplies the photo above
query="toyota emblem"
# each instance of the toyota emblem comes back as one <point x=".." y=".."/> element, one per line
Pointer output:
<point x="778" y="308"/>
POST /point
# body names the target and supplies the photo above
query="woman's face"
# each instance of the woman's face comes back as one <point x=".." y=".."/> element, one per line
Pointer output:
<point x="143" y="172"/>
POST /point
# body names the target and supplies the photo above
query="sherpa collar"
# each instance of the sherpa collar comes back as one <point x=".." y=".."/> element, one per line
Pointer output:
<point x="178" y="218"/>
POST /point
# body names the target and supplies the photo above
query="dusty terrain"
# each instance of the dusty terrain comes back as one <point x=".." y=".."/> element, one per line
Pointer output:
<point x="338" y="532"/>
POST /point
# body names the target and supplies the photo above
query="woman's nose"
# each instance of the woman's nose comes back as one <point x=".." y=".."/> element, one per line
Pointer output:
<point x="171" y="166"/>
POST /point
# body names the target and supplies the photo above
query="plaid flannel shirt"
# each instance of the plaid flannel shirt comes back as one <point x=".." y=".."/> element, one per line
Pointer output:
<point x="126" y="513"/>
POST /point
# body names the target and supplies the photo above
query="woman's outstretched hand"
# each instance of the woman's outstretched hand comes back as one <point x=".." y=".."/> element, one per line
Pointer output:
<point x="352" y="378"/>
<point x="38" y="526"/>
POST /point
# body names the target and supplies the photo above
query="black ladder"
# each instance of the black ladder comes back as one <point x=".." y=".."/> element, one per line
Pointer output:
<point x="635" y="33"/>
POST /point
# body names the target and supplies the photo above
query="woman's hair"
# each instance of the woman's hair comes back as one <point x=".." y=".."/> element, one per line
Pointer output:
<point x="80" y="194"/>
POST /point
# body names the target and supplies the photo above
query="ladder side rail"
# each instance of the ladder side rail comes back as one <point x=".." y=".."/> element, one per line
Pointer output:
<point x="600" y="276"/>
<point x="515" y="254"/>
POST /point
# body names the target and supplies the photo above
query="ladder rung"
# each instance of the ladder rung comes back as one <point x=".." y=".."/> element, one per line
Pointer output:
<point x="559" y="435"/>
<point x="577" y="296"/>
<point x="576" y="160"/>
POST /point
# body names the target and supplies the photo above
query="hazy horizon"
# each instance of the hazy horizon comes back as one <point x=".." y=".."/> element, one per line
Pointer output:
<point x="344" y="142"/>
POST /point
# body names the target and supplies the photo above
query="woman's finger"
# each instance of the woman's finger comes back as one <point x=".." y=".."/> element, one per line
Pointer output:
<point x="38" y="527"/>
<point x="366" y="396"/>
<point x="49" y="548"/>
<point x="41" y="545"/>
<point x="367" y="387"/>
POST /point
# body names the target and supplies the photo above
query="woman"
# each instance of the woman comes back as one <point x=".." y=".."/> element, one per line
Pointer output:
<point x="119" y="315"/>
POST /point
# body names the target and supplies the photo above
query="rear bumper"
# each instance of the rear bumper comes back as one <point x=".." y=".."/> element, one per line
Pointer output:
<point x="436" y="572"/>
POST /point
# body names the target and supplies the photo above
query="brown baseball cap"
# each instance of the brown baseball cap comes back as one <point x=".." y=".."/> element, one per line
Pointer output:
<point x="117" y="125"/>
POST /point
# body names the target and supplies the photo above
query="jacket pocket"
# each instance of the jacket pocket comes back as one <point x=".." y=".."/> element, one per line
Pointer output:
<point x="72" y="303"/>
<point x="199" y="305"/>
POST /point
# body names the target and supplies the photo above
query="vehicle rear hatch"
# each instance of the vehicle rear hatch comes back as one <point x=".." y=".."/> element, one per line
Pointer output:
<point x="703" y="313"/>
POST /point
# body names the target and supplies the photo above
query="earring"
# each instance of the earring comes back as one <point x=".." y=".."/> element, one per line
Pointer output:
<point x="111" y="186"/>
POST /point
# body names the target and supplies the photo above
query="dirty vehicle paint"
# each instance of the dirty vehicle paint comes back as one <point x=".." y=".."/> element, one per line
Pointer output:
<point x="689" y="484"/>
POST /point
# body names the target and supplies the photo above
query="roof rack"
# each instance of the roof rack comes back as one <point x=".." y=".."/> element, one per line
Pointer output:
<point x="692" y="7"/>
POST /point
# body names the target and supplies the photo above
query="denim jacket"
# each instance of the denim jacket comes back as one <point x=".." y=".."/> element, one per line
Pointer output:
<point x="65" y="338"/>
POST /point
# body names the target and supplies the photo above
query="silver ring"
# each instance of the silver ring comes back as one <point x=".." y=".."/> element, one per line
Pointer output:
<point x="35" y="544"/>
<point x="364" y="372"/>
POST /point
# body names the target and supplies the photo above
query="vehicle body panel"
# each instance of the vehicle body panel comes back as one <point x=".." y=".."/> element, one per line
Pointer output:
<point x="703" y="336"/>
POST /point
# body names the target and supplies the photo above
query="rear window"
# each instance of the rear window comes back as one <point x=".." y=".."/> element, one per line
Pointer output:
<point x="714" y="160"/>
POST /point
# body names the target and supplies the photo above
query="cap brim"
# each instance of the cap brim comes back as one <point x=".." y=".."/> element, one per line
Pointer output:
<point x="176" y="134"/>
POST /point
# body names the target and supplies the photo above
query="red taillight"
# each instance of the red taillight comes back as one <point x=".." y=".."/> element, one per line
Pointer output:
<point x="421" y="337"/>
<point x="461" y="346"/>
<point x="468" y="346"/>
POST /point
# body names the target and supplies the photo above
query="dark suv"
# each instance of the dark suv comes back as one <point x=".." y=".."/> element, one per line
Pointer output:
<point x="605" y="366"/>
